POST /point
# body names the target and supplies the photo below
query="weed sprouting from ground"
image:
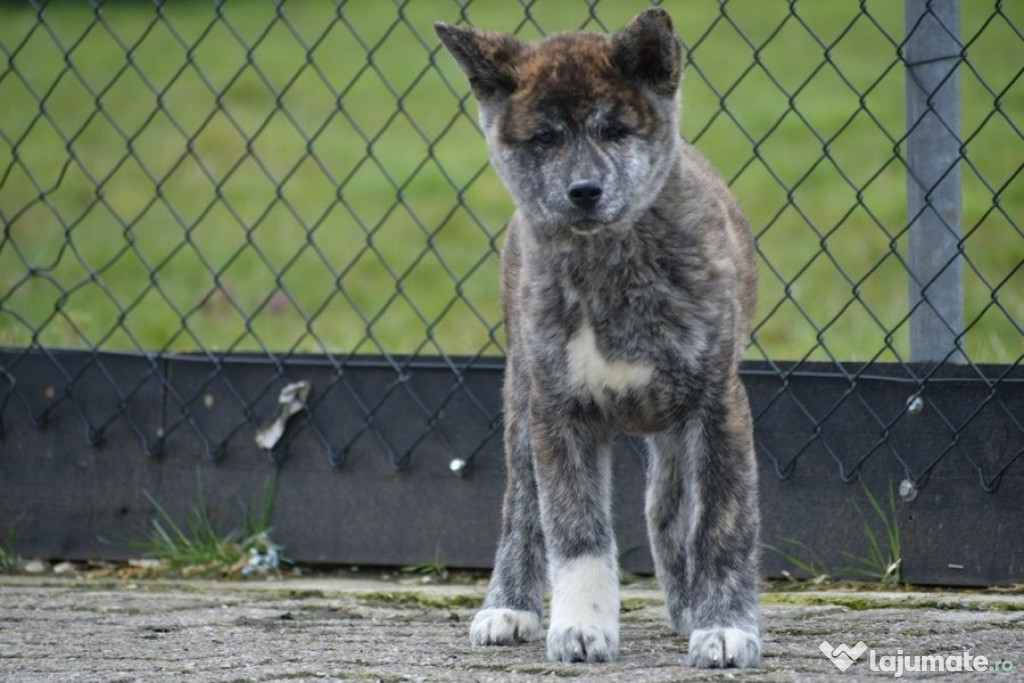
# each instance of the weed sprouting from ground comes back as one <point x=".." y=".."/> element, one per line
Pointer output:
<point x="884" y="556"/>
<point x="198" y="548"/>
<point x="881" y="562"/>
<point x="803" y="559"/>
<point x="433" y="571"/>
<point x="9" y="558"/>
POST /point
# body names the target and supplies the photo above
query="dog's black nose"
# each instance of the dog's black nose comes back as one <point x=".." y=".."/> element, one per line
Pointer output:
<point x="585" y="193"/>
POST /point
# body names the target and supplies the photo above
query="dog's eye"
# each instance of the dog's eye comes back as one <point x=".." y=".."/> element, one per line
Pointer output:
<point x="546" y="136"/>
<point x="613" y="130"/>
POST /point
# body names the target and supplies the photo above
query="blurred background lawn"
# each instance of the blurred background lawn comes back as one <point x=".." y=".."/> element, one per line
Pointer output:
<point x="309" y="179"/>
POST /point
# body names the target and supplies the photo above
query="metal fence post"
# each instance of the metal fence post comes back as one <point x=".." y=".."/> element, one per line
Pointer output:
<point x="932" y="56"/>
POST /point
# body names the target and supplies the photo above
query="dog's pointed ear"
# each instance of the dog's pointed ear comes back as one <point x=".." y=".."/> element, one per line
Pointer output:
<point x="488" y="58"/>
<point x="647" y="49"/>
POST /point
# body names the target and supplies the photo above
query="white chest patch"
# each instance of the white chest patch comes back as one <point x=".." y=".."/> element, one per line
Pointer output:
<point x="590" y="370"/>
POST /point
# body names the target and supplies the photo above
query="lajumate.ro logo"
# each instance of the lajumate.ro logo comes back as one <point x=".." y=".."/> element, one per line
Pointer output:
<point x="843" y="656"/>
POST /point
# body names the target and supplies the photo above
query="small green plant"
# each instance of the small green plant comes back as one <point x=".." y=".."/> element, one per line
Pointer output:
<point x="804" y="560"/>
<point x="881" y="563"/>
<point x="884" y="557"/>
<point x="198" y="548"/>
<point x="9" y="559"/>
<point x="434" y="570"/>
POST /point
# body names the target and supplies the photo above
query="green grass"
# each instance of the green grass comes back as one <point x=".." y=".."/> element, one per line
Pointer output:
<point x="10" y="560"/>
<point x="884" y="555"/>
<point x="249" y="215"/>
<point x="198" y="547"/>
<point x="880" y="561"/>
<point x="433" y="570"/>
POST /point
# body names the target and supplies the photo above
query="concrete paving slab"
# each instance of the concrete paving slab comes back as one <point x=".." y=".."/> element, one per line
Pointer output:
<point x="364" y="630"/>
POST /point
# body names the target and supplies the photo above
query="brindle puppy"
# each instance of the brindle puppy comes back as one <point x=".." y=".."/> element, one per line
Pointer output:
<point x="628" y="286"/>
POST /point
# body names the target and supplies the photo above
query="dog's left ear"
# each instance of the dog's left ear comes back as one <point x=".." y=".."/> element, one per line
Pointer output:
<point x="647" y="49"/>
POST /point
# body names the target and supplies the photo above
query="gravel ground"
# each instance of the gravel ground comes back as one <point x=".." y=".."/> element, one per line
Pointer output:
<point x="346" y="629"/>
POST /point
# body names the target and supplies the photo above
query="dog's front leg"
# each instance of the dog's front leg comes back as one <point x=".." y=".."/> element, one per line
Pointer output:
<point x="573" y="461"/>
<point x="512" y="609"/>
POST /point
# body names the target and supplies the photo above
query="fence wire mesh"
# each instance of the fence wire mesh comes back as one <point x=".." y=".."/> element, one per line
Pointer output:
<point x="267" y="180"/>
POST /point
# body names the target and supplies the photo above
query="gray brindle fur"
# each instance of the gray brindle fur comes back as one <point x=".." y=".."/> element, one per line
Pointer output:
<point x="628" y="284"/>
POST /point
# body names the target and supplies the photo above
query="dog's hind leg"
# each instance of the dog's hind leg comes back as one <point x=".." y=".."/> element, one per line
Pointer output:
<point x="512" y="609"/>
<point x="669" y="512"/>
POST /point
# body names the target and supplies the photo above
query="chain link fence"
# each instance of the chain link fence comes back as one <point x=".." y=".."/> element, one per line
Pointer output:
<point x="257" y="182"/>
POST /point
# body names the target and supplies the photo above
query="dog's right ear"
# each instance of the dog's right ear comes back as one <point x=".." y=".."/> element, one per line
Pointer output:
<point x="488" y="58"/>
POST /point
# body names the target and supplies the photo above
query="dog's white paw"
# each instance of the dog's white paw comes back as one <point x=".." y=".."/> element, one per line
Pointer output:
<point x="574" y="642"/>
<point x="723" y="646"/>
<point x="584" y="610"/>
<point x="503" y="627"/>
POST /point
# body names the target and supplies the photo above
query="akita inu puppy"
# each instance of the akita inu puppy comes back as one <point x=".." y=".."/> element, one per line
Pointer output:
<point x="628" y="284"/>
